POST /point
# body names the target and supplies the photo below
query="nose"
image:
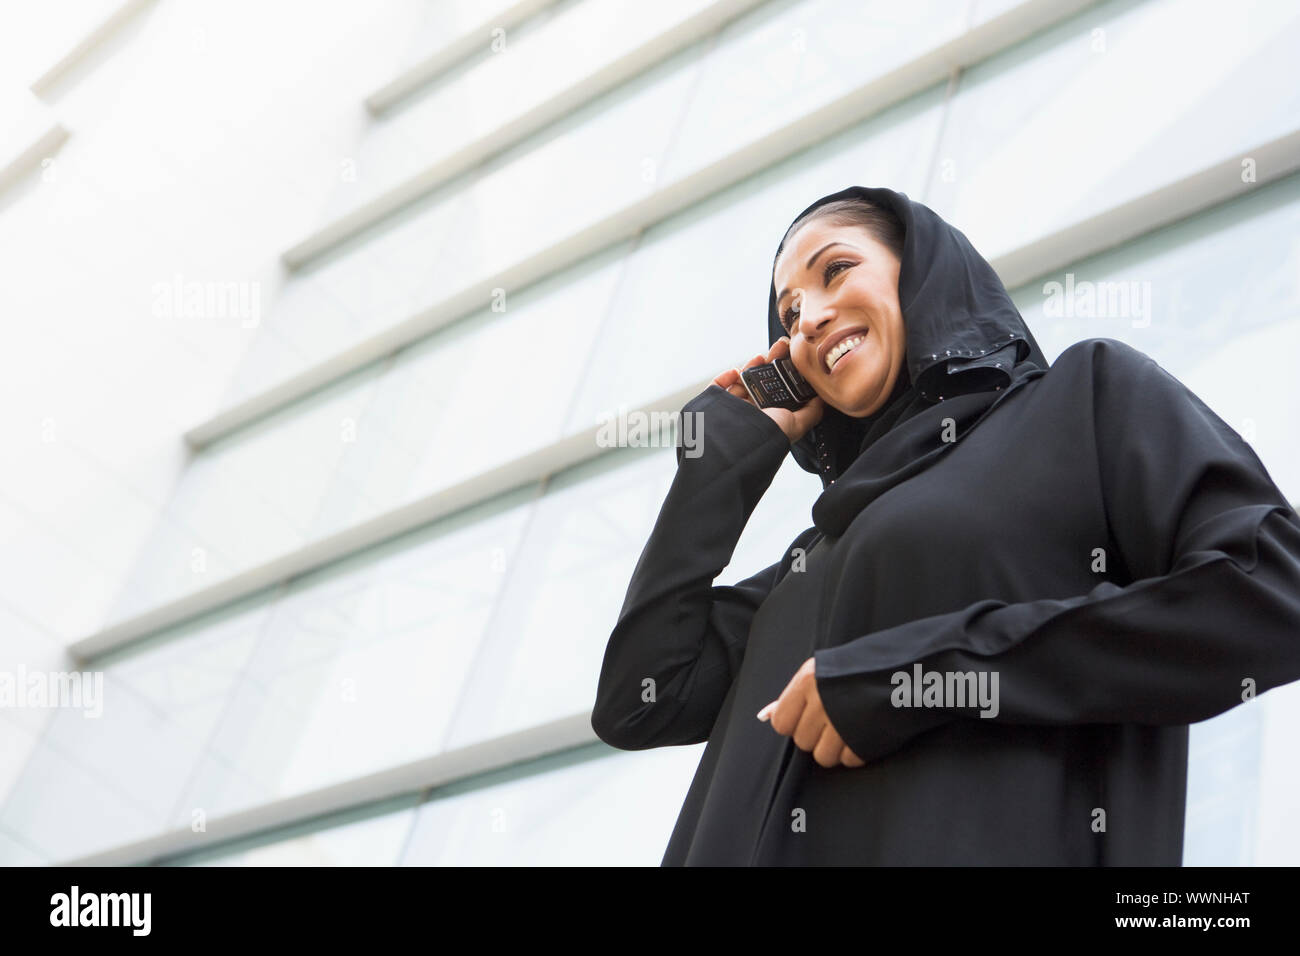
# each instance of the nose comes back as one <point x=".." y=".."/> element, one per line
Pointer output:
<point x="812" y="317"/>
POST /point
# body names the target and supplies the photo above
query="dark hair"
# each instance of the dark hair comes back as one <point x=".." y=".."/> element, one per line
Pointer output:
<point x="883" y="224"/>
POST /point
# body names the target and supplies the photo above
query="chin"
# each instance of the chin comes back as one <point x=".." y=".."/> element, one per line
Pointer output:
<point x="863" y="400"/>
<point x="853" y="410"/>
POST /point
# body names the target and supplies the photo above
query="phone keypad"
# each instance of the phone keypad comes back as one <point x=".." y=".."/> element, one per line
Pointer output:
<point x="777" y="385"/>
<point x="771" y="385"/>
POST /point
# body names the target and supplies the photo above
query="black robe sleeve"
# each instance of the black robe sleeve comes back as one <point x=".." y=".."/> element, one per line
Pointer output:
<point x="675" y="627"/>
<point x="1211" y="615"/>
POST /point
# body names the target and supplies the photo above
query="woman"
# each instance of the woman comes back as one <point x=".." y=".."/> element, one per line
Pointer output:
<point x="1020" y="586"/>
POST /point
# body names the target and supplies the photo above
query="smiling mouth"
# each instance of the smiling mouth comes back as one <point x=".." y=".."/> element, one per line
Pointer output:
<point x="842" y="349"/>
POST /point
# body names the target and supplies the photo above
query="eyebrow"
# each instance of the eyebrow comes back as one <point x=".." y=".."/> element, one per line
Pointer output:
<point x="786" y="291"/>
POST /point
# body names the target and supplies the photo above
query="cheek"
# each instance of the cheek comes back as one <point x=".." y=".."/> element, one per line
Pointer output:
<point x="893" y="327"/>
<point x="804" y="360"/>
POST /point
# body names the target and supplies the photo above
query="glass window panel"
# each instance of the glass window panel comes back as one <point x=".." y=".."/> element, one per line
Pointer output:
<point x="984" y="10"/>
<point x="784" y="511"/>
<point x="120" y="774"/>
<point x="255" y="494"/>
<point x="782" y="62"/>
<point x="266" y="700"/>
<point x="44" y="35"/>
<point x="552" y="51"/>
<point x="176" y="560"/>
<point x="578" y="171"/>
<point x="1110" y="105"/>
<point x="1264" y="413"/>
<point x="488" y="389"/>
<point x="1223" y="789"/>
<point x="16" y="745"/>
<point x="591" y="806"/>
<point x="1277" y="835"/>
<point x="14" y="852"/>
<point x="367" y="837"/>
<point x="36" y="594"/>
<point x="26" y="645"/>
<point x="265" y="358"/>
<point x="541" y="658"/>
<point x="61" y="810"/>
<point x="495" y="385"/>
<point x="302" y="310"/>
<point x="360" y="664"/>
<point x="615" y="810"/>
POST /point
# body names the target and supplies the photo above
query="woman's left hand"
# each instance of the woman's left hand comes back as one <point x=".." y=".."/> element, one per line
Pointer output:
<point x="799" y="711"/>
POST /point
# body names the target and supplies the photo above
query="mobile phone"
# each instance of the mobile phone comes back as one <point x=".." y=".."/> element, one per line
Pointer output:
<point x="777" y="385"/>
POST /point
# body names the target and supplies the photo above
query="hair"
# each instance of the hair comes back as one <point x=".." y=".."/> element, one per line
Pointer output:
<point x="883" y="224"/>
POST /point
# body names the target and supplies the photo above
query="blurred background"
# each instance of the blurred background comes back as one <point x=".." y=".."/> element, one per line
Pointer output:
<point x="312" y="311"/>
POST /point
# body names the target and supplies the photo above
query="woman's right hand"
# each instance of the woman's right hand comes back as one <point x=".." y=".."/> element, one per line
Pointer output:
<point x="795" y="423"/>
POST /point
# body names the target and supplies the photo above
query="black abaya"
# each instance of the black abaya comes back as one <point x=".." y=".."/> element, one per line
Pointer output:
<point x="1094" y="536"/>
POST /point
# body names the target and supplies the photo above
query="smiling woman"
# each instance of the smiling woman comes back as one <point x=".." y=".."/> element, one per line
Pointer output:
<point x="837" y="269"/>
<point x="1087" y="541"/>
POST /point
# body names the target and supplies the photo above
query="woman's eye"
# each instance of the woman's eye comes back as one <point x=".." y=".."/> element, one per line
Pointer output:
<point x="787" y="317"/>
<point x="831" y="265"/>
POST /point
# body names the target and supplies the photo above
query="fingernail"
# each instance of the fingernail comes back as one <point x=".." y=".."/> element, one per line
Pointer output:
<point x="766" y="712"/>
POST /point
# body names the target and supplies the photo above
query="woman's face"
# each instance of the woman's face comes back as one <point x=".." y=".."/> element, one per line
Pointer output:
<point x="838" y="285"/>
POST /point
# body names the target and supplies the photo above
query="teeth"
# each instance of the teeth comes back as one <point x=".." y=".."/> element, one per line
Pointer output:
<point x="852" y="342"/>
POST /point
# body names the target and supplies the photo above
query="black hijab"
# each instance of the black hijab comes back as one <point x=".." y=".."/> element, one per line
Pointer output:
<point x="967" y="348"/>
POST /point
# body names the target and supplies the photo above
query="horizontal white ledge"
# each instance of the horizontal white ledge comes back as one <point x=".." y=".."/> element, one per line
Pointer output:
<point x="1217" y="183"/>
<point x="46" y="144"/>
<point x="443" y="59"/>
<point x="439" y="770"/>
<point x="850" y="109"/>
<point x="528" y="469"/>
<point x="517" y="129"/>
<point x="1211" y="185"/>
<point x="90" y="42"/>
